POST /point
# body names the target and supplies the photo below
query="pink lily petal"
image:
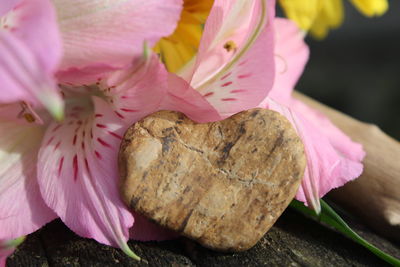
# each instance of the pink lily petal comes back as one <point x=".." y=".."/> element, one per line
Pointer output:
<point x="183" y="98"/>
<point x="145" y="230"/>
<point x="328" y="165"/>
<point x="234" y="68"/>
<point x="148" y="87"/>
<point x="332" y="158"/>
<point x="30" y="53"/>
<point x="7" y="5"/>
<point x="4" y="253"/>
<point x="7" y="248"/>
<point x="137" y="91"/>
<point x="79" y="175"/>
<point x="23" y="210"/>
<point x="86" y="75"/>
<point x="291" y="56"/>
<point x="35" y="23"/>
<point x="340" y="141"/>
<point x="112" y="32"/>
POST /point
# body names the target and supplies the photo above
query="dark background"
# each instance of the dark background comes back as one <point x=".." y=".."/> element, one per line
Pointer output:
<point x="356" y="68"/>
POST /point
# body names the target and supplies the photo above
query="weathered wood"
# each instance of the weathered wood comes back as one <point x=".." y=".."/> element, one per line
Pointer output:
<point x="293" y="241"/>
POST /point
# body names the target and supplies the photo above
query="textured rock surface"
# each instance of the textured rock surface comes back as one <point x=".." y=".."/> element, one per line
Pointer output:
<point x="222" y="184"/>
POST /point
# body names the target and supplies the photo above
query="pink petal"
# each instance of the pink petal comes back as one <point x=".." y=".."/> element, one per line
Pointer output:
<point x="145" y="230"/>
<point x="291" y="56"/>
<point x="328" y="165"/>
<point x="3" y="256"/>
<point x="7" y="5"/>
<point x="236" y="78"/>
<point x="79" y="176"/>
<point x="342" y="143"/>
<point x="148" y="87"/>
<point x="30" y="53"/>
<point x="5" y="251"/>
<point x="35" y="23"/>
<point x="84" y="76"/>
<point x="183" y="98"/>
<point x="137" y="91"/>
<point x="23" y="210"/>
<point x="333" y="159"/>
<point x="112" y="32"/>
<point x="7" y="248"/>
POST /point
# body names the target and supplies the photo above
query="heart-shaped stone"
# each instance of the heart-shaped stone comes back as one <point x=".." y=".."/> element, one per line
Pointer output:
<point x="223" y="184"/>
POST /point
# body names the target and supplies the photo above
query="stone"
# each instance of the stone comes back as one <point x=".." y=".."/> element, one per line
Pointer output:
<point x="222" y="184"/>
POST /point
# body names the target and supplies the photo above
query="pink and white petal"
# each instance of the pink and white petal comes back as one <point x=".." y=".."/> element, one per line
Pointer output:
<point x="233" y="22"/>
<point x="244" y="84"/>
<point x="291" y="55"/>
<point x="31" y="52"/>
<point x="245" y="77"/>
<point x="35" y="24"/>
<point x="339" y="140"/>
<point x="148" y="87"/>
<point x="183" y="98"/>
<point x="23" y="78"/>
<point x="23" y="210"/>
<point x="4" y="253"/>
<point x="137" y="91"/>
<point x="327" y="168"/>
<point x="75" y="77"/>
<point x="112" y="32"/>
<point x="5" y="7"/>
<point x="79" y="175"/>
<point x="7" y="248"/>
<point x="145" y="230"/>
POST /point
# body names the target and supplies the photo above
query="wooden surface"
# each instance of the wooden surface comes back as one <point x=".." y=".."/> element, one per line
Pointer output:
<point x="293" y="241"/>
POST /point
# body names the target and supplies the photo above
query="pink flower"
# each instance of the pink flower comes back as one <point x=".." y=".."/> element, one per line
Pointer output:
<point x="68" y="169"/>
<point x="332" y="158"/>
<point x="108" y="81"/>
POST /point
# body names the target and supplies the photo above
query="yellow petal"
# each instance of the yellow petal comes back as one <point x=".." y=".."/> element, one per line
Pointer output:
<point x="319" y="29"/>
<point x="330" y="16"/>
<point x="303" y="12"/>
<point x="371" y="8"/>
<point x="174" y="55"/>
<point x="178" y="48"/>
<point x="333" y="12"/>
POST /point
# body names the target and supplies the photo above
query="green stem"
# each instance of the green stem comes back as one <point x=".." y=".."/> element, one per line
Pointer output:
<point x="330" y="217"/>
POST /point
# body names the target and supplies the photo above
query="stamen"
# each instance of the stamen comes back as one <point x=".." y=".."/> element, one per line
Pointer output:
<point x="28" y="113"/>
<point x="230" y="46"/>
<point x="29" y="117"/>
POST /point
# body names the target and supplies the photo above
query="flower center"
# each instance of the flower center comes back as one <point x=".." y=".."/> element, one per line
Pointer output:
<point x="79" y="99"/>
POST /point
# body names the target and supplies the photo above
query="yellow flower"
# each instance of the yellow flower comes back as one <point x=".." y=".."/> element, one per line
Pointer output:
<point x="178" y="48"/>
<point x="371" y="8"/>
<point x="319" y="16"/>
